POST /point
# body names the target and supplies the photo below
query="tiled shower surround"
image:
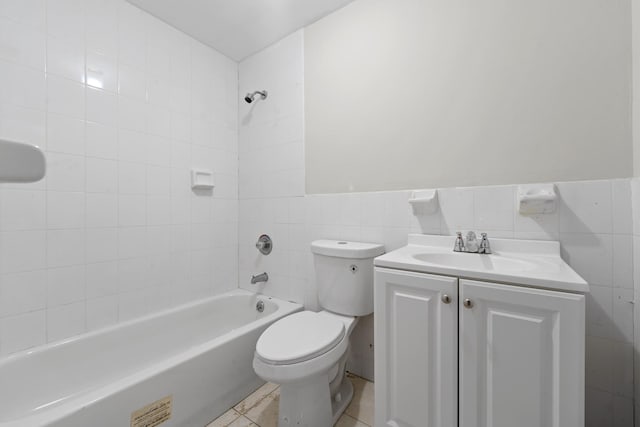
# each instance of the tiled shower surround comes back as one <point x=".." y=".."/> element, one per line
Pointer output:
<point x="114" y="231"/>
<point x="124" y="106"/>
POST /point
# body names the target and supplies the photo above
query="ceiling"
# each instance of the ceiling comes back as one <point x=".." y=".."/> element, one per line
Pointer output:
<point x="239" y="28"/>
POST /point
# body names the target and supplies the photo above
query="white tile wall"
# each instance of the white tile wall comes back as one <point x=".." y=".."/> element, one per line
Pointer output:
<point x="598" y="246"/>
<point x="271" y="173"/>
<point x="124" y="106"/>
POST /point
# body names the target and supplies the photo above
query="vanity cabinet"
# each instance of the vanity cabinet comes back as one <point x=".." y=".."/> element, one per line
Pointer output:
<point x="456" y="352"/>
<point x="416" y="351"/>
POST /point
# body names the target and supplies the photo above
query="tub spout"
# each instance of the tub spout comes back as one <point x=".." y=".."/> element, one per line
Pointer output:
<point x="259" y="278"/>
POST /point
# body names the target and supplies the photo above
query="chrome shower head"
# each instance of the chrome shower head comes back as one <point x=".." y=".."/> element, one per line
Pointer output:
<point x="251" y="96"/>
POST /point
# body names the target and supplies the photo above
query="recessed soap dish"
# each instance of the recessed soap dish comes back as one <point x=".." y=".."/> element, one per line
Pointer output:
<point x="201" y="179"/>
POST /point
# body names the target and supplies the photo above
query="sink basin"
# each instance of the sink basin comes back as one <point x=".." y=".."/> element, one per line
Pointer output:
<point x="519" y="262"/>
<point x="477" y="261"/>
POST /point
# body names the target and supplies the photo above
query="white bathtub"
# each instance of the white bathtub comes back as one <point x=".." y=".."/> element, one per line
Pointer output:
<point x="200" y="354"/>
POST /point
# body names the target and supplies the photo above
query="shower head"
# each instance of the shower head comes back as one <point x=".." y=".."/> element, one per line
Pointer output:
<point x="251" y="96"/>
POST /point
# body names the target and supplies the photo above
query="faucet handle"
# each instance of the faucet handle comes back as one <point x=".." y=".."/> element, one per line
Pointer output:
<point x="264" y="244"/>
<point x="485" y="246"/>
<point x="459" y="244"/>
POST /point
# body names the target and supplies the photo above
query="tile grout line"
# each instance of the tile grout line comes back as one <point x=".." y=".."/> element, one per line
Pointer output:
<point x="354" y="418"/>
<point x="243" y="415"/>
<point x="258" y="403"/>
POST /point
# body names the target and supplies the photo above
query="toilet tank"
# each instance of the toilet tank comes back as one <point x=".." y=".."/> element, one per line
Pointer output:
<point x="344" y="275"/>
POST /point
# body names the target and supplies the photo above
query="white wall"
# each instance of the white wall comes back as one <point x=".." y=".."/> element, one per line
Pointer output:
<point x="124" y="106"/>
<point x="413" y="93"/>
<point x="635" y="37"/>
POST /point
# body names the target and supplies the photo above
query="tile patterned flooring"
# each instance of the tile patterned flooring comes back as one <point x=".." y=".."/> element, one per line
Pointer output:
<point x="260" y="408"/>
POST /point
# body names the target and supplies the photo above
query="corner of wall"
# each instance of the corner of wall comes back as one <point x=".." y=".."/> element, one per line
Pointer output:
<point x="635" y="210"/>
<point x="635" y="196"/>
<point x="635" y="77"/>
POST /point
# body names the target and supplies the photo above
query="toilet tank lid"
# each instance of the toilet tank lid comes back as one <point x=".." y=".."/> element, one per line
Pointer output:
<point x="345" y="249"/>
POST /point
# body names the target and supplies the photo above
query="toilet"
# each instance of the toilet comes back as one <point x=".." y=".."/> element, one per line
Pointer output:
<point x="306" y="352"/>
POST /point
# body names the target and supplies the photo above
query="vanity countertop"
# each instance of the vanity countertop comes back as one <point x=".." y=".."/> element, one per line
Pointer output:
<point x="520" y="262"/>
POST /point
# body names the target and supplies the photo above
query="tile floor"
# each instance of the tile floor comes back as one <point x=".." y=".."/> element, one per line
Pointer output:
<point x="260" y="409"/>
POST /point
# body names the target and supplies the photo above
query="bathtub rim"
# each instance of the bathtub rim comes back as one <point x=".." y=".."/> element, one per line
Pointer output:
<point x="82" y="399"/>
<point x="191" y="304"/>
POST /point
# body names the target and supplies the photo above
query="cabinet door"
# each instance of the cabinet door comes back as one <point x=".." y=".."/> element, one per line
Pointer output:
<point x="521" y="357"/>
<point x="416" y="326"/>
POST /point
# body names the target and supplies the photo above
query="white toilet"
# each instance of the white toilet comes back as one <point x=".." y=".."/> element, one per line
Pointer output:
<point x="306" y="352"/>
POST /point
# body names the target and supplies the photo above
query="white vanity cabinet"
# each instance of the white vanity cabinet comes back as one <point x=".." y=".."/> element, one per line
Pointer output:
<point x="489" y="355"/>
<point x="416" y="350"/>
<point x="521" y="356"/>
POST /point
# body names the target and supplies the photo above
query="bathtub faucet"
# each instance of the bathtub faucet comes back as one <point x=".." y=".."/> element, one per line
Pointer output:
<point x="259" y="278"/>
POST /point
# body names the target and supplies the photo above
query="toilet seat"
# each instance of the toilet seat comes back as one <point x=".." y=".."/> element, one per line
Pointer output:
<point x="299" y="337"/>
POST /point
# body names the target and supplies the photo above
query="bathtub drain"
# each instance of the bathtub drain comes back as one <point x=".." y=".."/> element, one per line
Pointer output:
<point x="260" y="306"/>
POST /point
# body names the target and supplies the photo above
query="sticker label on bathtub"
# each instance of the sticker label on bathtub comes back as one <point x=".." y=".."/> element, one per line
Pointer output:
<point x="153" y="414"/>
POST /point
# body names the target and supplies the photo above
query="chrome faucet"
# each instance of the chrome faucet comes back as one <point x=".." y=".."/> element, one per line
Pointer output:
<point x="263" y="277"/>
<point x="485" y="247"/>
<point x="471" y="245"/>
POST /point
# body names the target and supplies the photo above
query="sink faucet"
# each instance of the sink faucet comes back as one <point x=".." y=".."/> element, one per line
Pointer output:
<point x="471" y="244"/>
<point x="263" y="277"/>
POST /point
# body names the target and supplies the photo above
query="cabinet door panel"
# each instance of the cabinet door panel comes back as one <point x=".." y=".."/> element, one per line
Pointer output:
<point x="521" y="357"/>
<point x="416" y="349"/>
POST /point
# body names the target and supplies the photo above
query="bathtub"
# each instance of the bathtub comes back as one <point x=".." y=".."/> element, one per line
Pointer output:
<point x="197" y="357"/>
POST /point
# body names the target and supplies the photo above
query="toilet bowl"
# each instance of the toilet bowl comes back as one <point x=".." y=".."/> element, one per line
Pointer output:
<point x="306" y="352"/>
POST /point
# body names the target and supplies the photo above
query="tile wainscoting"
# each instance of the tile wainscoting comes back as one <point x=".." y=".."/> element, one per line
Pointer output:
<point x="593" y="222"/>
